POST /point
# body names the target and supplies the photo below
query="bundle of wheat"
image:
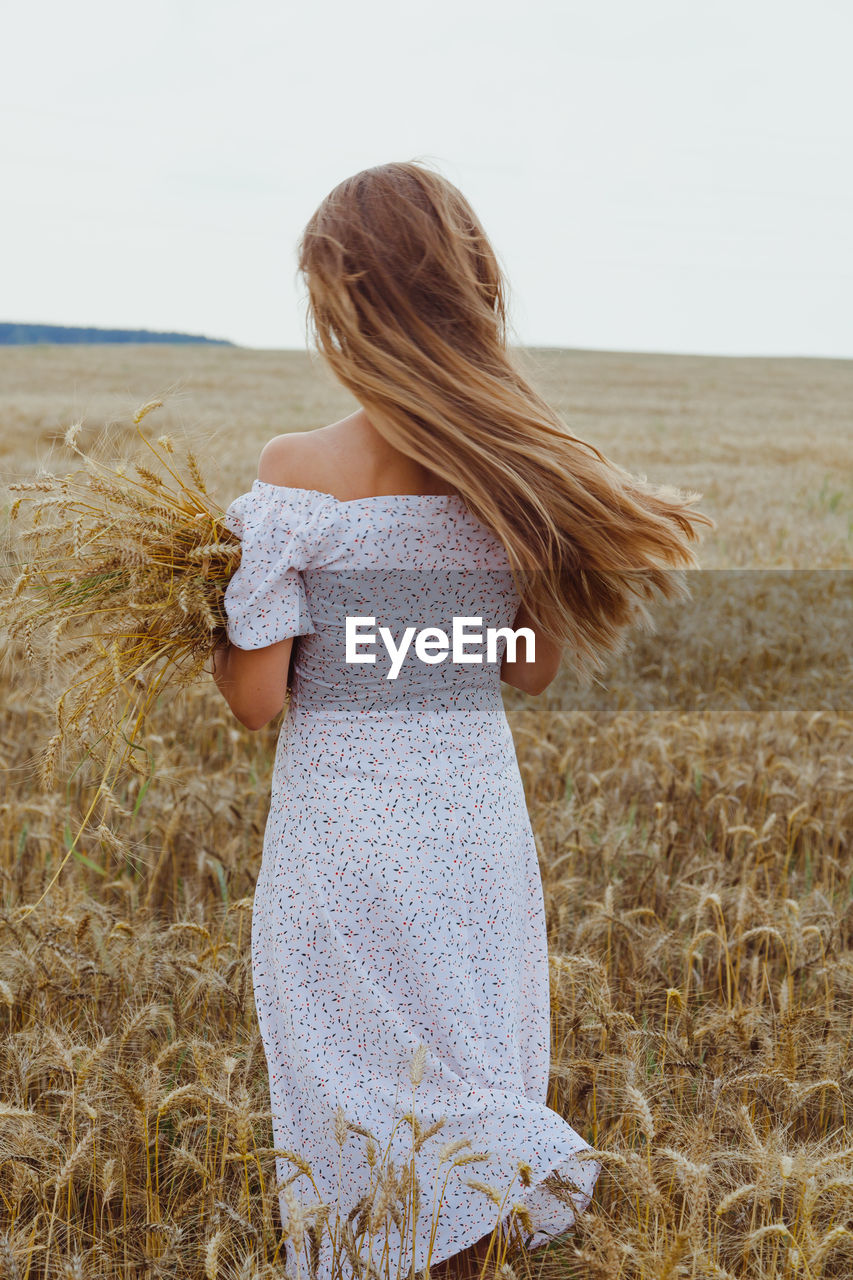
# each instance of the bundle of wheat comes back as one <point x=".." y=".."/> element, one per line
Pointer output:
<point x="114" y="587"/>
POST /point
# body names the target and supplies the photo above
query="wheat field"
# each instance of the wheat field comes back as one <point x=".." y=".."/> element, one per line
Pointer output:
<point x="693" y="815"/>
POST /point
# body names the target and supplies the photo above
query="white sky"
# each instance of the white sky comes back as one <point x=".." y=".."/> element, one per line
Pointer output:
<point x="655" y="175"/>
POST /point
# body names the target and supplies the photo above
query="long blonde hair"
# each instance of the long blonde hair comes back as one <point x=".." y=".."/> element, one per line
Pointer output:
<point x="408" y="306"/>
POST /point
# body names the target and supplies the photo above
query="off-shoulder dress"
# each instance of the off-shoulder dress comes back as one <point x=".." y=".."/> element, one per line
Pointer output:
<point x="399" y="901"/>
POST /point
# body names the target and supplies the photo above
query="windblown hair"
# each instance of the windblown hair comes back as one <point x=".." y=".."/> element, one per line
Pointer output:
<point x="408" y="307"/>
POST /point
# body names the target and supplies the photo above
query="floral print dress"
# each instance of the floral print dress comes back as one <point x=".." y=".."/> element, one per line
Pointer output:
<point x="399" y="902"/>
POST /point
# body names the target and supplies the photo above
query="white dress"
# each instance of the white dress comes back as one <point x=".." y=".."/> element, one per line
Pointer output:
<point x="399" y="901"/>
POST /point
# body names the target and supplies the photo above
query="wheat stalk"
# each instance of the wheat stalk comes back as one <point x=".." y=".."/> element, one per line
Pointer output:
<point x="115" y="587"/>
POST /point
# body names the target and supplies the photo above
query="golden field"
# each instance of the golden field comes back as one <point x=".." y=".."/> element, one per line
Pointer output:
<point x="694" y="822"/>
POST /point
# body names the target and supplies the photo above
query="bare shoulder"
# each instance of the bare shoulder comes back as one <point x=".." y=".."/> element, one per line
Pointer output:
<point x="338" y="459"/>
<point x="293" y="459"/>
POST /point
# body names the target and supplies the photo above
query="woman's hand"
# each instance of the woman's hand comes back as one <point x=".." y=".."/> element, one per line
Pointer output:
<point x="219" y="657"/>
<point x="253" y="681"/>
<point x="532" y="677"/>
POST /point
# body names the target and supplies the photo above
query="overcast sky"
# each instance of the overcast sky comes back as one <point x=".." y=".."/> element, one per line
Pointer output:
<point x="655" y="175"/>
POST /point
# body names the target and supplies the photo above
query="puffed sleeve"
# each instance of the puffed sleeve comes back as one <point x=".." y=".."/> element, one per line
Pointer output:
<point x="265" y="600"/>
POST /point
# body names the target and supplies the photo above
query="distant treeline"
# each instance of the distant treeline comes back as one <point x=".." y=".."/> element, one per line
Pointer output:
<point x="11" y="334"/>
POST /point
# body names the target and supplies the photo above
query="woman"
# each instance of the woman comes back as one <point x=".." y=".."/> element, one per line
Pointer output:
<point x="399" y="902"/>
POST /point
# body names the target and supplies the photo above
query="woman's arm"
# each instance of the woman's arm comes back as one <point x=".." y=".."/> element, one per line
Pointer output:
<point x="253" y="681"/>
<point x="532" y="677"/>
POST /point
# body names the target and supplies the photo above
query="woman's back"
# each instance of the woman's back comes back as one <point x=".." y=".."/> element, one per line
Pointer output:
<point x="376" y="573"/>
<point x="348" y="459"/>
